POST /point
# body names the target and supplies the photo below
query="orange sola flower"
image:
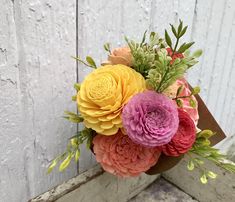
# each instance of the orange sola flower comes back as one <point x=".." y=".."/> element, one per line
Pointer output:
<point x="103" y="94"/>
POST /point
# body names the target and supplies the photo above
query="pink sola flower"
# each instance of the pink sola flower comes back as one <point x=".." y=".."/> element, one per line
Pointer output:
<point x="150" y="119"/>
<point x="120" y="156"/>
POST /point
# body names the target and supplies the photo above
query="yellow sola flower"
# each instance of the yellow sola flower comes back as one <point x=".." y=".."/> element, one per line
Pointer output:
<point x="103" y="94"/>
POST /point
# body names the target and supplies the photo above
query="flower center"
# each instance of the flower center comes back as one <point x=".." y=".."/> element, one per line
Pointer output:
<point x="156" y="118"/>
<point x="100" y="88"/>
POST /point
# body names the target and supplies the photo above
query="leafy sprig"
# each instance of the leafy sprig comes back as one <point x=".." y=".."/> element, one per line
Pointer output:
<point x="73" y="117"/>
<point x="202" y="150"/>
<point x="179" y="98"/>
<point x="144" y="53"/>
<point x="89" y="61"/>
<point x="73" y="150"/>
<point x="177" y="69"/>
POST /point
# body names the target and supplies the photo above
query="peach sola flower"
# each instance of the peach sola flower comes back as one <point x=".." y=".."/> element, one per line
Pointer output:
<point x="103" y="94"/>
<point x="119" y="155"/>
<point x="150" y="119"/>
<point x="184" y="138"/>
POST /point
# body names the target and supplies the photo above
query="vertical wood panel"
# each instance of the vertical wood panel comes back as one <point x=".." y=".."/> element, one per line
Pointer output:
<point x="37" y="84"/>
<point x="13" y="181"/>
<point x="214" y="32"/>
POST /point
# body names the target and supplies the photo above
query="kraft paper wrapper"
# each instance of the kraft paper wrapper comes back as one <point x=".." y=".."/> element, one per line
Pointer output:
<point x="206" y="121"/>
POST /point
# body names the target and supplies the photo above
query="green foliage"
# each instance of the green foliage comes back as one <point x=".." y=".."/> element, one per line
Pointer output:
<point x="202" y="150"/>
<point x="179" y="103"/>
<point x="151" y="58"/>
<point x="192" y="103"/>
<point x="73" y="117"/>
<point x="195" y="90"/>
<point x="179" y="90"/>
<point x="89" y="61"/>
<point x="191" y="100"/>
<point x="73" y="150"/>
<point x="107" y="47"/>
<point x="144" y="54"/>
<point x="77" y="86"/>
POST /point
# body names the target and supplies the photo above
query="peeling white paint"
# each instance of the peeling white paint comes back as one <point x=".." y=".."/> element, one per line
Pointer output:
<point x="37" y="38"/>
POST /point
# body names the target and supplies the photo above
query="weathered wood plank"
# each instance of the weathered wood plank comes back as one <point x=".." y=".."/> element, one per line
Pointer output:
<point x="221" y="189"/>
<point x="101" y="185"/>
<point x="213" y="31"/>
<point x="13" y="181"/>
<point x="37" y="75"/>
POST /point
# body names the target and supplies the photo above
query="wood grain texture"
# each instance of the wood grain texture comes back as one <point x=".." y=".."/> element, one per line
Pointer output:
<point x="37" y="75"/>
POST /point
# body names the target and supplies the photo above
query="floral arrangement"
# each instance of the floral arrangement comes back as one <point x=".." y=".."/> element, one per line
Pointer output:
<point x="138" y="106"/>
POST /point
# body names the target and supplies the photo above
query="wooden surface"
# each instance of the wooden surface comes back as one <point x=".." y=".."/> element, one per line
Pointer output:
<point x="37" y="39"/>
<point x="221" y="189"/>
<point x="97" y="186"/>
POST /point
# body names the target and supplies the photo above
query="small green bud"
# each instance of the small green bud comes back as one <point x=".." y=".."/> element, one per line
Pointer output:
<point x="66" y="162"/>
<point x="192" y="103"/>
<point x="211" y="174"/>
<point x="203" y="179"/>
<point x="190" y="165"/>
<point x="77" y="86"/>
<point x="52" y="165"/>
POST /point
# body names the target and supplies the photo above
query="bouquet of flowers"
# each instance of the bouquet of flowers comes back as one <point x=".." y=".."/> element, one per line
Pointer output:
<point x="139" y="112"/>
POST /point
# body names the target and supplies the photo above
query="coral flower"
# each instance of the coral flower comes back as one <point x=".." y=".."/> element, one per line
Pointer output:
<point x="150" y="119"/>
<point x="103" y="94"/>
<point x="184" y="138"/>
<point x="119" y="155"/>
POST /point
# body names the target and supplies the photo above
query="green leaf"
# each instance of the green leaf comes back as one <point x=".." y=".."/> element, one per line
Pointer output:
<point x="52" y="165"/>
<point x="168" y="39"/>
<point x="144" y="37"/>
<point x="174" y="31"/>
<point x="205" y="133"/>
<point x="107" y="47"/>
<point x="184" y="47"/>
<point x="190" y="165"/>
<point x="180" y="27"/>
<point x="74" y="142"/>
<point x="192" y="103"/>
<point x="74" y="98"/>
<point x="197" y="53"/>
<point x="183" y="31"/>
<point x="179" y="90"/>
<point x="89" y="141"/>
<point x="179" y="103"/>
<point x="75" y="118"/>
<point x="203" y="179"/>
<point x="77" y="86"/>
<point x="91" y="62"/>
<point x="211" y="174"/>
<point x="195" y="90"/>
<point x="77" y="155"/>
<point x="65" y="163"/>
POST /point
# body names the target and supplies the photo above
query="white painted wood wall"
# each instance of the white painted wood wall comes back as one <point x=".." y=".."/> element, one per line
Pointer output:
<point x="37" y="38"/>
